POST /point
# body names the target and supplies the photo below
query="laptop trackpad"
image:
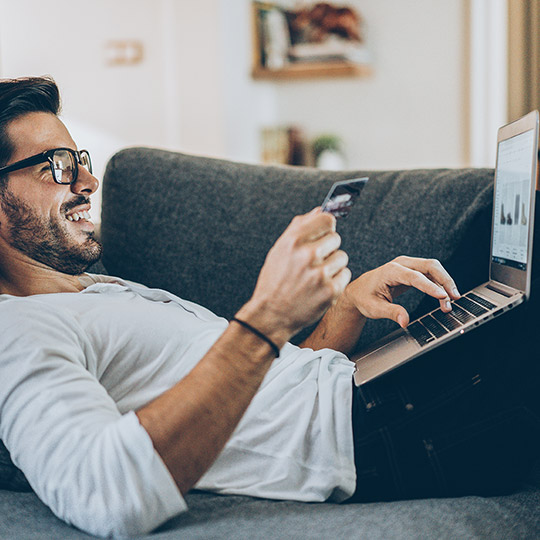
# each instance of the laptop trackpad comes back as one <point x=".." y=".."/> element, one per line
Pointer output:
<point x="382" y="359"/>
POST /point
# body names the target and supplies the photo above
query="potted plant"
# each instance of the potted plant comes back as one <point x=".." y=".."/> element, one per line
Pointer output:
<point x="327" y="152"/>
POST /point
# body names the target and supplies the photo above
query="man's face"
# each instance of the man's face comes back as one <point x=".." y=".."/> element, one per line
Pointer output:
<point x="37" y="214"/>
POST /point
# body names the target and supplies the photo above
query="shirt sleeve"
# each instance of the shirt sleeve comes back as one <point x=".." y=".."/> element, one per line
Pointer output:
<point x="94" y="467"/>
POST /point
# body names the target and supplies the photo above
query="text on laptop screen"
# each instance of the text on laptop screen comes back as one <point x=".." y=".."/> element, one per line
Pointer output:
<point x="512" y="201"/>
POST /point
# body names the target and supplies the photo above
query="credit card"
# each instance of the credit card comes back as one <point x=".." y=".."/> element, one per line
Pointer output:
<point x="342" y="196"/>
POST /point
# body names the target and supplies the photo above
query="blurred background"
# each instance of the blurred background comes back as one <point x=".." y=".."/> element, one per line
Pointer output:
<point x="431" y="81"/>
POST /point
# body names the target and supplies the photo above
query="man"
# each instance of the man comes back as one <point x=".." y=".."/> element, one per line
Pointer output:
<point x="116" y="399"/>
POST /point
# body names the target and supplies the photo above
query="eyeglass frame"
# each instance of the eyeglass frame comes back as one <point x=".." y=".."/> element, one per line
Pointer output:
<point x="46" y="156"/>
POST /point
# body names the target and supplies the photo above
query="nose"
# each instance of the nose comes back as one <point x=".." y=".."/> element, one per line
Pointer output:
<point x="85" y="184"/>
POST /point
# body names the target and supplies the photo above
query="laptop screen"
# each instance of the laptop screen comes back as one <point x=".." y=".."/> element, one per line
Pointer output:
<point x="512" y="200"/>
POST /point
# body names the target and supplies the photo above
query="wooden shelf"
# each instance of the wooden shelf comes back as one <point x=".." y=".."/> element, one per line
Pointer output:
<point x="312" y="70"/>
<point x="300" y="69"/>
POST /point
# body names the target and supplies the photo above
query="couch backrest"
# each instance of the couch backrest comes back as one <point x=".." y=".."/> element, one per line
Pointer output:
<point x="201" y="227"/>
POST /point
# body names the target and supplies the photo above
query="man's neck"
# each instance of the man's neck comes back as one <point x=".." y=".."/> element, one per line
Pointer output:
<point x="25" y="277"/>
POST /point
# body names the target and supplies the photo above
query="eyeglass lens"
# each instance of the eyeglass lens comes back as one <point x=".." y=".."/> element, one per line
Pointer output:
<point x="85" y="161"/>
<point x="65" y="166"/>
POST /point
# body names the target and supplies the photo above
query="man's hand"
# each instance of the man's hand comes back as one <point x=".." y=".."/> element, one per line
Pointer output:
<point x="373" y="293"/>
<point x="303" y="275"/>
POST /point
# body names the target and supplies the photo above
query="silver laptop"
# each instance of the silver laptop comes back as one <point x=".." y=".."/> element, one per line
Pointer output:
<point x="510" y="261"/>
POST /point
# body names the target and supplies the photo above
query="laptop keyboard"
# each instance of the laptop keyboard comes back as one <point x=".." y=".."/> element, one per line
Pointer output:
<point x="481" y="301"/>
<point x="438" y="323"/>
<point x="433" y="326"/>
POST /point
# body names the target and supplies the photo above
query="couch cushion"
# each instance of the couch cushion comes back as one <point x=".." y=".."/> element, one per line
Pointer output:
<point x="11" y="477"/>
<point x="510" y="517"/>
<point x="201" y="227"/>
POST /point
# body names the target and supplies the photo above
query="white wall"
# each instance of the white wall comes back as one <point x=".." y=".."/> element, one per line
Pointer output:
<point x="410" y="112"/>
<point x="105" y="107"/>
<point x="248" y="105"/>
<point x="67" y="39"/>
<point x="195" y="52"/>
<point x="174" y="98"/>
<point x="193" y="91"/>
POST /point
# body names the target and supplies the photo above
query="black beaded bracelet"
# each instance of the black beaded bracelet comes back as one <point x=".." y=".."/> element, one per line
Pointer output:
<point x="259" y="334"/>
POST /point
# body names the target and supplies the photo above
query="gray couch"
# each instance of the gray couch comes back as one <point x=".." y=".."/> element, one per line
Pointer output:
<point x="201" y="228"/>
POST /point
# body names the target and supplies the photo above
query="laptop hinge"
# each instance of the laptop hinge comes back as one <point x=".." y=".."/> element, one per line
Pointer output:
<point x="500" y="290"/>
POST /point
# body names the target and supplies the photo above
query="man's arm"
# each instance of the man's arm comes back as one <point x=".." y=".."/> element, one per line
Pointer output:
<point x="371" y="296"/>
<point x="303" y="274"/>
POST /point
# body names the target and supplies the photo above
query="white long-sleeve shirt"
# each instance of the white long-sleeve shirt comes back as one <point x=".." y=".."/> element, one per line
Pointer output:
<point x="75" y="366"/>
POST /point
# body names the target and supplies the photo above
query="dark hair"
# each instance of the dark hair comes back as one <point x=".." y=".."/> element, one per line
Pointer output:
<point x="19" y="97"/>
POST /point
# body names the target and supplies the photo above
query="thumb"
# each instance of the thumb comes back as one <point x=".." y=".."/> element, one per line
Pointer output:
<point x="400" y="315"/>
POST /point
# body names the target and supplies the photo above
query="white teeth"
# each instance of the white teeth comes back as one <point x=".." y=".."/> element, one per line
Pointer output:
<point x="76" y="216"/>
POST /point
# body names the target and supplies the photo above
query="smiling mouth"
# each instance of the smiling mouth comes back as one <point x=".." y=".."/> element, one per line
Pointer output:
<point x="77" y="216"/>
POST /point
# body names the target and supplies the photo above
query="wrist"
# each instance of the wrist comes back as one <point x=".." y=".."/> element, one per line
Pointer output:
<point x="346" y="303"/>
<point x="257" y="333"/>
<point x="260" y="316"/>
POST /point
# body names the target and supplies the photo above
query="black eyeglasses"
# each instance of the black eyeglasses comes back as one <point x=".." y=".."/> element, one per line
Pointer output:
<point x="64" y="163"/>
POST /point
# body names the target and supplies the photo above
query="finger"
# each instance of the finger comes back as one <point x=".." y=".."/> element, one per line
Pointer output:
<point x="438" y="273"/>
<point x="326" y="246"/>
<point x="382" y="309"/>
<point x="335" y="263"/>
<point x="315" y="225"/>
<point x="401" y="315"/>
<point x="341" y="280"/>
<point x="434" y="270"/>
<point x="403" y="275"/>
<point x="424" y="284"/>
<point x="417" y="279"/>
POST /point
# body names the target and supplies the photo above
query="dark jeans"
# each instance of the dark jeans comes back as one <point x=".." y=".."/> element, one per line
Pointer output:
<point x="462" y="419"/>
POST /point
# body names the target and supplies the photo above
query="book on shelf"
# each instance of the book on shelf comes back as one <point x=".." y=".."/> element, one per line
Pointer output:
<point x="333" y="49"/>
<point x="283" y="145"/>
